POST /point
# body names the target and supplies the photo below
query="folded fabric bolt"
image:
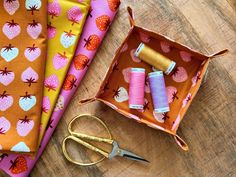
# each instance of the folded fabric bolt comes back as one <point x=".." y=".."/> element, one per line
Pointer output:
<point x="22" y="60"/>
<point x="65" y="23"/>
<point x="98" y="9"/>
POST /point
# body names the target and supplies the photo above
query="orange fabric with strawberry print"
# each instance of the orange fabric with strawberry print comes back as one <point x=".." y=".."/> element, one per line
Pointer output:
<point x="61" y="47"/>
<point x="22" y="62"/>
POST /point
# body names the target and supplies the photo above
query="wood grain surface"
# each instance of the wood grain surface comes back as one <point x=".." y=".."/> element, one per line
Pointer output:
<point x="209" y="125"/>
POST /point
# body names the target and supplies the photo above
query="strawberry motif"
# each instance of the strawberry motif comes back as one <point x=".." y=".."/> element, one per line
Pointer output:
<point x="51" y="31"/>
<point x="34" y="29"/>
<point x="171" y="94"/>
<point x="20" y="147"/>
<point x="33" y="5"/>
<point x="11" y="29"/>
<point x="29" y="76"/>
<point x="60" y="61"/>
<point x="145" y="106"/>
<point x="27" y="101"/>
<point x="176" y="122"/>
<point x="195" y="79"/>
<point x="103" y="22"/>
<point x="113" y="4"/>
<point x="179" y="74"/>
<point x="32" y="53"/>
<point x="46" y="104"/>
<point x="19" y="165"/>
<point x="144" y="37"/>
<point x="120" y="95"/>
<point x="54" y="9"/>
<point x="187" y="57"/>
<point x="81" y="61"/>
<point x="5" y="125"/>
<point x="124" y="48"/>
<point x="69" y="82"/>
<point x="92" y="42"/>
<point x="160" y="117"/>
<point x="74" y="15"/>
<point x="115" y="66"/>
<point x="126" y="74"/>
<point x="51" y="82"/>
<point x="60" y="103"/>
<point x="9" y="52"/>
<point x="6" y="101"/>
<point x="2" y="156"/>
<point x="186" y="100"/>
<point x="11" y="6"/>
<point x="6" y="76"/>
<point x="24" y="126"/>
<point x="134" y="58"/>
<point x="165" y="47"/>
<point x="67" y="39"/>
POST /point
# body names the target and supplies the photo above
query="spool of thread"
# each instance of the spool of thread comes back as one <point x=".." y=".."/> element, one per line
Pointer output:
<point x="136" y="88"/>
<point x="154" y="58"/>
<point x="158" y="91"/>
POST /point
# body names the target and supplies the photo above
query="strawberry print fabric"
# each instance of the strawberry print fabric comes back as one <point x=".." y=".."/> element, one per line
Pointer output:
<point x="97" y="10"/>
<point x="65" y="24"/>
<point x="22" y="61"/>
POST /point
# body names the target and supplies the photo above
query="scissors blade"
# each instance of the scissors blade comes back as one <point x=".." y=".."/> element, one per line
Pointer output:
<point x="132" y="156"/>
<point x="117" y="151"/>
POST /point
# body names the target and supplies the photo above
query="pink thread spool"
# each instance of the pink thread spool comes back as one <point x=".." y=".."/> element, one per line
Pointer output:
<point x="136" y="88"/>
<point x="158" y="91"/>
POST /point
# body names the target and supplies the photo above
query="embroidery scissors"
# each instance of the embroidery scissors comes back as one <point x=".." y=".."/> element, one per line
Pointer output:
<point x="80" y="138"/>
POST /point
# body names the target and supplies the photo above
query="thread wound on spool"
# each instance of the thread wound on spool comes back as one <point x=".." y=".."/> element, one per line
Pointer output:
<point x="136" y="88"/>
<point x="150" y="56"/>
<point x="158" y="91"/>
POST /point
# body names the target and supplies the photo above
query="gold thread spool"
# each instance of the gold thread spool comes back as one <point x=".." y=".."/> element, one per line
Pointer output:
<point x="154" y="58"/>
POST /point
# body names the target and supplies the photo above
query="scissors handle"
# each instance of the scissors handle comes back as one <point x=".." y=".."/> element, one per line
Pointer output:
<point x="87" y="145"/>
<point x="93" y="138"/>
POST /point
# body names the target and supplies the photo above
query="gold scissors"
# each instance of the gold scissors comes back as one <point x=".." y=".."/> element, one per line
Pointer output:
<point x="80" y="138"/>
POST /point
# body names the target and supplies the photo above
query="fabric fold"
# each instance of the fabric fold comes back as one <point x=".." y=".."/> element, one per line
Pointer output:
<point x="93" y="26"/>
<point x="22" y="61"/>
<point x="65" y="24"/>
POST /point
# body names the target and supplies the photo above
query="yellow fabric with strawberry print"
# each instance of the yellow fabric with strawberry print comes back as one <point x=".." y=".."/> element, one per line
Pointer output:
<point x="65" y="24"/>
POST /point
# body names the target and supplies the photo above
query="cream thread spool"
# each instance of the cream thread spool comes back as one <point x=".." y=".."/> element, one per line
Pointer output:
<point x="154" y="58"/>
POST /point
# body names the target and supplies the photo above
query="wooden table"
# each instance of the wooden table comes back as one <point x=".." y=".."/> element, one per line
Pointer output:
<point x="208" y="127"/>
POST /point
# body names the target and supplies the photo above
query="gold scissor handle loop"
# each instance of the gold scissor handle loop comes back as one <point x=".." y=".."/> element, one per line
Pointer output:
<point x="89" y="146"/>
<point x="77" y="137"/>
<point x="90" y="117"/>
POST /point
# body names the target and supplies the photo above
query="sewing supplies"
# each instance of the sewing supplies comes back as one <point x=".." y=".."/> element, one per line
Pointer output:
<point x="80" y="138"/>
<point x="154" y="58"/>
<point x="136" y="88"/>
<point x="158" y="91"/>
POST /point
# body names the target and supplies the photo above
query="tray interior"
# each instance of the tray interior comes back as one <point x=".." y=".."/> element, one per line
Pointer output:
<point x="180" y="84"/>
